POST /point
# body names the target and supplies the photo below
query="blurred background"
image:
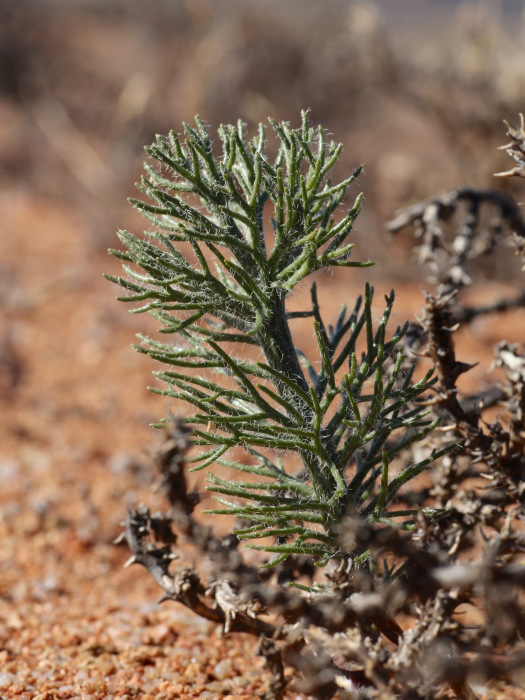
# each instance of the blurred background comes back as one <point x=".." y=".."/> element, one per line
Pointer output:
<point x="416" y="89"/>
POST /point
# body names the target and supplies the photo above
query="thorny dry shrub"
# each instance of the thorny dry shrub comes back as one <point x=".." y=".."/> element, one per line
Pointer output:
<point x="374" y="633"/>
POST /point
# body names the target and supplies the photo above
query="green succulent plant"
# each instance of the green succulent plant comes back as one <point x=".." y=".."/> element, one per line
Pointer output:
<point x="232" y="235"/>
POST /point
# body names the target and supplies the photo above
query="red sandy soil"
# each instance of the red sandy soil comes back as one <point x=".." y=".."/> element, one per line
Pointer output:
<point x="74" y="417"/>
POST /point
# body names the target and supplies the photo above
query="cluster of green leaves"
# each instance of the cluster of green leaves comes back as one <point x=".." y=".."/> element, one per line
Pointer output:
<point x="349" y="419"/>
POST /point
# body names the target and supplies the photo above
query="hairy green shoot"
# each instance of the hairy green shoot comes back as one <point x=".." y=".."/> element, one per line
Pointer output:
<point x="254" y="228"/>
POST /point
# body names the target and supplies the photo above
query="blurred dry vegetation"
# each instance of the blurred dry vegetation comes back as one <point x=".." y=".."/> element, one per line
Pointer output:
<point x="417" y="90"/>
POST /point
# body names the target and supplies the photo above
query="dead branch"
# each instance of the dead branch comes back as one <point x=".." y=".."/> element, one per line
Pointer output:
<point x="515" y="149"/>
<point x="431" y="218"/>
